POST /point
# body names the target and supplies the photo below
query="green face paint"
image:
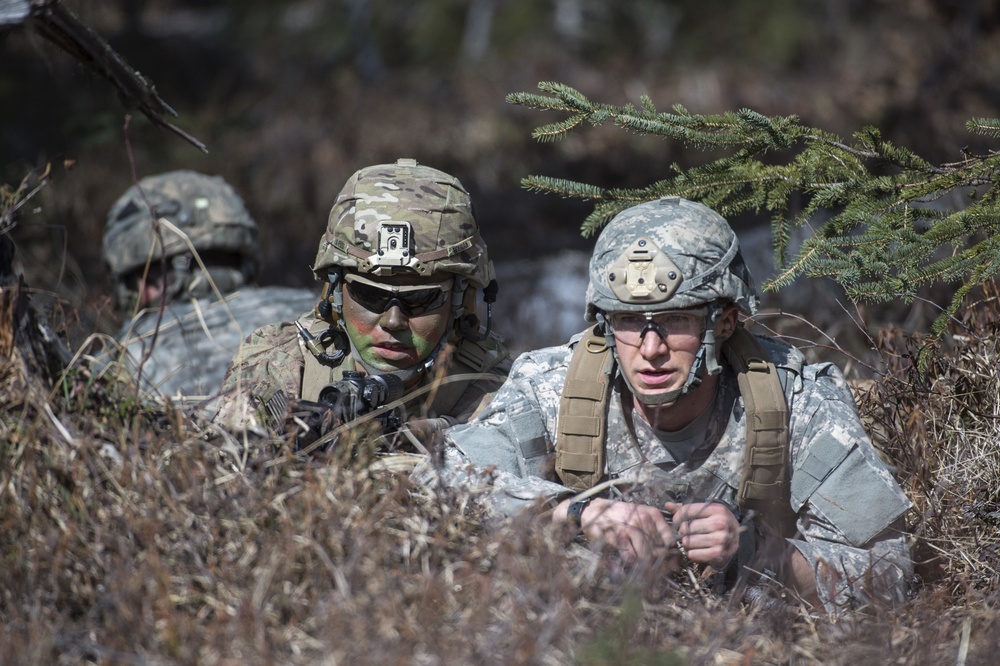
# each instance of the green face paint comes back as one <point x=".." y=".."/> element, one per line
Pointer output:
<point x="391" y="341"/>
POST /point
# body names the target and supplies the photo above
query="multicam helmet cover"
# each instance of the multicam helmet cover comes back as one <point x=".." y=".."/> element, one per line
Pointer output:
<point x="665" y="255"/>
<point x="206" y="208"/>
<point x="404" y="218"/>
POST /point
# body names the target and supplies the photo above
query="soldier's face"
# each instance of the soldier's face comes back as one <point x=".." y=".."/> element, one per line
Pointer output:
<point x="393" y="330"/>
<point x="662" y="360"/>
<point x="151" y="289"/>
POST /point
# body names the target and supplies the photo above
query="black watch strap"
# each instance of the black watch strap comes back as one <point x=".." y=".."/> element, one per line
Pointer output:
<point x="574" y="514"/>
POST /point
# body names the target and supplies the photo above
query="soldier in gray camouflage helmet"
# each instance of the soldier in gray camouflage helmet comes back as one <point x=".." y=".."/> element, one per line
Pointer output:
<point x="668" y="428"/>
<point x="197" y="264"/>
<point x="402" y="262"/>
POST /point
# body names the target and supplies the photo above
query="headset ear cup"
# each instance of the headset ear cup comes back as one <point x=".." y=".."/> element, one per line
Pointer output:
<point x="467" y="323"/>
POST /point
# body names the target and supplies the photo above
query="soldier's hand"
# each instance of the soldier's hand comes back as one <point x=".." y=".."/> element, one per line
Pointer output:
<point x="637" y="531"/>
<point x="709" y="532"/>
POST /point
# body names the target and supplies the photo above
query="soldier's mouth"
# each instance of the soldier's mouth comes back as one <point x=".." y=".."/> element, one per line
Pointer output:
<point x="656" y="378"/>
<point x="394" y="351"/>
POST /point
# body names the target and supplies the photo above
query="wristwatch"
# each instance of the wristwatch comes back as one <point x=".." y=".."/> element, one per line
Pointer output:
<point x="574" y="514"/>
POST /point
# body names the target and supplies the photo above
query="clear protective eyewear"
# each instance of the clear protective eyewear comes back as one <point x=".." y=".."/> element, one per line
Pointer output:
<point x="414" y="300"/>
<point x="630" y="328"/>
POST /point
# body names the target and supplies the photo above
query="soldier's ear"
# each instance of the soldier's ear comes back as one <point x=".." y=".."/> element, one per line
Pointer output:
<point x="727" y="322"/>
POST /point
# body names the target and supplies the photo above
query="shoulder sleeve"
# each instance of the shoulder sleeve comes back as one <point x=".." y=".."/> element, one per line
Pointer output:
<point x="850" y="509"/>
<point x="514" y="434"/>
<point x="270" y="356"/>
<point x="836" y="471"/>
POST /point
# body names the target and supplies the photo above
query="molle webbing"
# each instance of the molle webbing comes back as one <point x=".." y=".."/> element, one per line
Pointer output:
<point x="764" y="482"/>
<point x="583" y="414"/>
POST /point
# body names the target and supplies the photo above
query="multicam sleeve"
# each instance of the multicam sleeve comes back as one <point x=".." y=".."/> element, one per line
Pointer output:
<point x="479" y="394"/>
<point x="850" y="508"/>
<point x="270" y="359"/>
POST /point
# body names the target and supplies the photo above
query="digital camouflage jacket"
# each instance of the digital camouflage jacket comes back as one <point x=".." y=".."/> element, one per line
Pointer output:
<point x="849" y="508"/>
<point x="196" y="339"/>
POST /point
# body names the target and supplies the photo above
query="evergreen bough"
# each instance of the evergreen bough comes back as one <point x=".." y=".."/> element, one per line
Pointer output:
<point x="881" y="229"/>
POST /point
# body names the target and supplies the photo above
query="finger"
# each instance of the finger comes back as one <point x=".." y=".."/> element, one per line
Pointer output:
<point x="657" y="526"/>
<point x="682" y="512"/>
<point x="632" y="545"/>
<point x="649" y="550"/>
<point x="705" y="541"/>
<point x="672" y="507"/>
<point x="711" y="547"/>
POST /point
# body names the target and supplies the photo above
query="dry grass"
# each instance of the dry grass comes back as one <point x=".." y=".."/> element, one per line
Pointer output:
<point x="136" y="535"/>
<point x="937" y="415"/>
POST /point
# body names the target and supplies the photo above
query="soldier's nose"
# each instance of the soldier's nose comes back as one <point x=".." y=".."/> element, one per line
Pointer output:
<point x="394" y="319"/>
<point x="652" y="343"/>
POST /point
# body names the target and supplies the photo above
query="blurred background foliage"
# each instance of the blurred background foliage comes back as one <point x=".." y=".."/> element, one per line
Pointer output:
<point x="292" y="97"/>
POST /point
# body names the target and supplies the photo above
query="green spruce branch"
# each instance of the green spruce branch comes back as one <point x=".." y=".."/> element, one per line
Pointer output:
<point x="881" y="227"/>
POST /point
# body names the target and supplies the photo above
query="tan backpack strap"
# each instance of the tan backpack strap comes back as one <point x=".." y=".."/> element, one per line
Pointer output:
<point x="764" y="483"/>
<point x="583" y="413"/>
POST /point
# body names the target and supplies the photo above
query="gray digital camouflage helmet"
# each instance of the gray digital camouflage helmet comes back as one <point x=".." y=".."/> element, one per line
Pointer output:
<point x="668" y="254"/>
<point x="208" y="212"/>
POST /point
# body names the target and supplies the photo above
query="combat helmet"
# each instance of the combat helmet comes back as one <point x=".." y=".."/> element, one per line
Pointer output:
<point x="206" y="209"/>
<point x="669" y="254"/>
<point x="407" y="218"/>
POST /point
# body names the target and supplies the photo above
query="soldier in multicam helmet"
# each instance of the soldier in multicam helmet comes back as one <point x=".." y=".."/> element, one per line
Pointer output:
<point x="183" y="284"/>
<point x="668" y="430"/>
<point x="402" y="262"/>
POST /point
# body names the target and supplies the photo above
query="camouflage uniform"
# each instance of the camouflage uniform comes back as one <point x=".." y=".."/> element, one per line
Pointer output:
<point x="196" y="339"/>
<point x="848" y="508"/>
<point x="393" y="219"/>
<point x="276" y="357"/>
<point x="198" y="332"/>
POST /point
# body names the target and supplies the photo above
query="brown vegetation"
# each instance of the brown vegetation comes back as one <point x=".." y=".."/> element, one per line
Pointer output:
<point x="134" y="534"/>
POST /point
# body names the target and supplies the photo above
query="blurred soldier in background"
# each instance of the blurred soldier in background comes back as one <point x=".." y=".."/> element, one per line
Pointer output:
<point x="402" y="262"/>
<point x="669" y="432"/>
<point x="182" y="251"/>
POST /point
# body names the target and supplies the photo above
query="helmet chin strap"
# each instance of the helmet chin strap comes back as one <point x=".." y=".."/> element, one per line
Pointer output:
<point x="705" y="363"/>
